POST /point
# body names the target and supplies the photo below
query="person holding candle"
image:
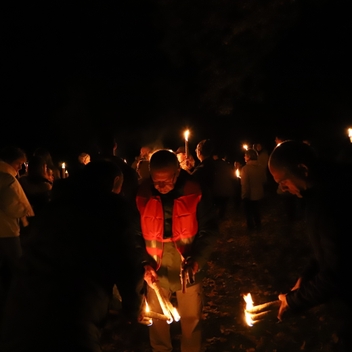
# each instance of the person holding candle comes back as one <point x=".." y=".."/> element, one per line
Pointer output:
<point x="327" y="195"/>
<point x="178" y="230"/>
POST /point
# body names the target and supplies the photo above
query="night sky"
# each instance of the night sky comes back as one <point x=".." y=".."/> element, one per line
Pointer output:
<point x="145" y="70"/>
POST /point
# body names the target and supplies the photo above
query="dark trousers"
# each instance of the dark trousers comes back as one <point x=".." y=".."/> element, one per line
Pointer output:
<point x="252" y="213"/>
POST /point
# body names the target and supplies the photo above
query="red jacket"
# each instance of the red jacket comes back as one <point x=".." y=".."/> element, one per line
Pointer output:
<point x="184" y="219"/>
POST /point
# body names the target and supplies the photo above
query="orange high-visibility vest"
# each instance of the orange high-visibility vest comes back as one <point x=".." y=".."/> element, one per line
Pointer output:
<point x="184" y="219"/>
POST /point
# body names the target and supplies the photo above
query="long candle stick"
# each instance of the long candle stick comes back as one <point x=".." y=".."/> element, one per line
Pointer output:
<point x="186" y="144"/>
<point x="63" y="170"/>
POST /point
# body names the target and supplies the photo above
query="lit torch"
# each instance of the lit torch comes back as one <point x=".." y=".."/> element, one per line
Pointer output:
<point x="186" y="134"/>
<point x="350" y="134"/>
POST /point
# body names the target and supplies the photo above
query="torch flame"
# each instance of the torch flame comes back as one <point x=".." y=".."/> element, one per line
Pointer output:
<point x="245" y="146"/>
<point x="249" y="306"/>
<point x="186" y="135"/>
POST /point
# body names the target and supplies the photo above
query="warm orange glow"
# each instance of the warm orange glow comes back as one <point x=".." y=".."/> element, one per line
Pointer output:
<point x="350" y="134"/>
<point x="249" y="306"/>
<point x="175" y="314"/>
<point x="245" y="146"/>
<point x="237" y="172"/>
<point x="63" y="165"/>
<point x="186" y="134"/>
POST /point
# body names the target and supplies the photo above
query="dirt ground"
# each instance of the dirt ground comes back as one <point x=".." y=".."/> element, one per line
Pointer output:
<point x="264" y="264"/>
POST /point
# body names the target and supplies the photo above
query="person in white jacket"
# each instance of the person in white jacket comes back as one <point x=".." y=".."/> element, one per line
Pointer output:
<point x="14" y="207"/>
<point x="252" y="189"/>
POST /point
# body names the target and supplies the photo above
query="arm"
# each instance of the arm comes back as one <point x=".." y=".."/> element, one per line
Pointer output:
<point x="13" y="200"/>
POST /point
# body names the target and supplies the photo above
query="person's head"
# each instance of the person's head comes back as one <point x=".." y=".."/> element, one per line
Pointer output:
<point x="102" y="176"/>
<point x="84" y="158"/>
<point x="205" y="149"/>
<point x="164" y="170"/>
<point x="45" y="154"/>
<point x="37" y="166"/>
<point x="250" y="154"/>
<point x="145" y="152"/>
<point x="293" y="166"/>
<point x="13" y="156"/>
<point x="258" y="147"/>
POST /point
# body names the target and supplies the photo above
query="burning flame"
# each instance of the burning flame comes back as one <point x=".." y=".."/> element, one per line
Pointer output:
<point x="186" y="135"/>
<point x="350" y="134"/>
<point x="63" y="165"/>
<point x="237" y="172"/>
<point x="147" y="310"/>
<point x="245" y="146"/>
<point x="249" y="306"/>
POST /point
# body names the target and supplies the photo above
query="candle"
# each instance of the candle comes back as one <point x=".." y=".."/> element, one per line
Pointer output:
<point x="186" y="143"/>
<point x="253" y="313"/>
<point x="63" y="170"/>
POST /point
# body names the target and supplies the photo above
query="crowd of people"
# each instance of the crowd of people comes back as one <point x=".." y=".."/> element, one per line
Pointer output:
<point x="66" y="242"/>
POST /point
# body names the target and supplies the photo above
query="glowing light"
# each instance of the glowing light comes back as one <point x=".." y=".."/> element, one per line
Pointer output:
<point x="350" y="134"/>
<point x="63" y="165"/>
<point x="249" y="305"/>
<point x="237" y="173"/>
<point x="245" y="146"/>
<point x="186" y="134"/>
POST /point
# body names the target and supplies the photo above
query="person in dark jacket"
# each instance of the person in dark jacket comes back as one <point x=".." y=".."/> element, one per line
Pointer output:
<point x="327" y="197"/>
<point x="214" y="176"/>
<point x="80" y="246"/>
<point x="179" y="231"/>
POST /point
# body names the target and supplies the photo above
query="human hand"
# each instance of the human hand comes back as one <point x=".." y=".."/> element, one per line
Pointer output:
<point x="150" y="276"/>
<point x="297" y="285"/>
<point x="190" y="267"/>
<point x="283" y="307"/>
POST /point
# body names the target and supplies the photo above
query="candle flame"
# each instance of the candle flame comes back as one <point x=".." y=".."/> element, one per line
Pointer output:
<point x="63" y="165"/>
<point x="186" y="135"/>
<point x="245" y="146"/>
<point x="249" y="306"/>
<point x="147" y="310"/>
<point x="350" y="134"/>
<point x="237" y="172"/>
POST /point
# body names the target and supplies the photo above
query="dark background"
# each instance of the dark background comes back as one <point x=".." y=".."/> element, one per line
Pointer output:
<point x="144" y="70"/>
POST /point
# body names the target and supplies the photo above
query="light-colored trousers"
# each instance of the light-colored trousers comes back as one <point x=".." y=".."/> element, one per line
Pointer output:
<point x="189" y="306"/>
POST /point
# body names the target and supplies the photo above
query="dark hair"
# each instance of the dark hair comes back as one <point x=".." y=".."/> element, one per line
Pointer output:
<point x="45" y="154"/>
<point x="206" y="147"/>
<point x="163" y="158"/>
<point x="35" y="165"/>
<point x="290" y="154"/>
<point x="252" y="154"/>
<point x="9" y="154"/>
